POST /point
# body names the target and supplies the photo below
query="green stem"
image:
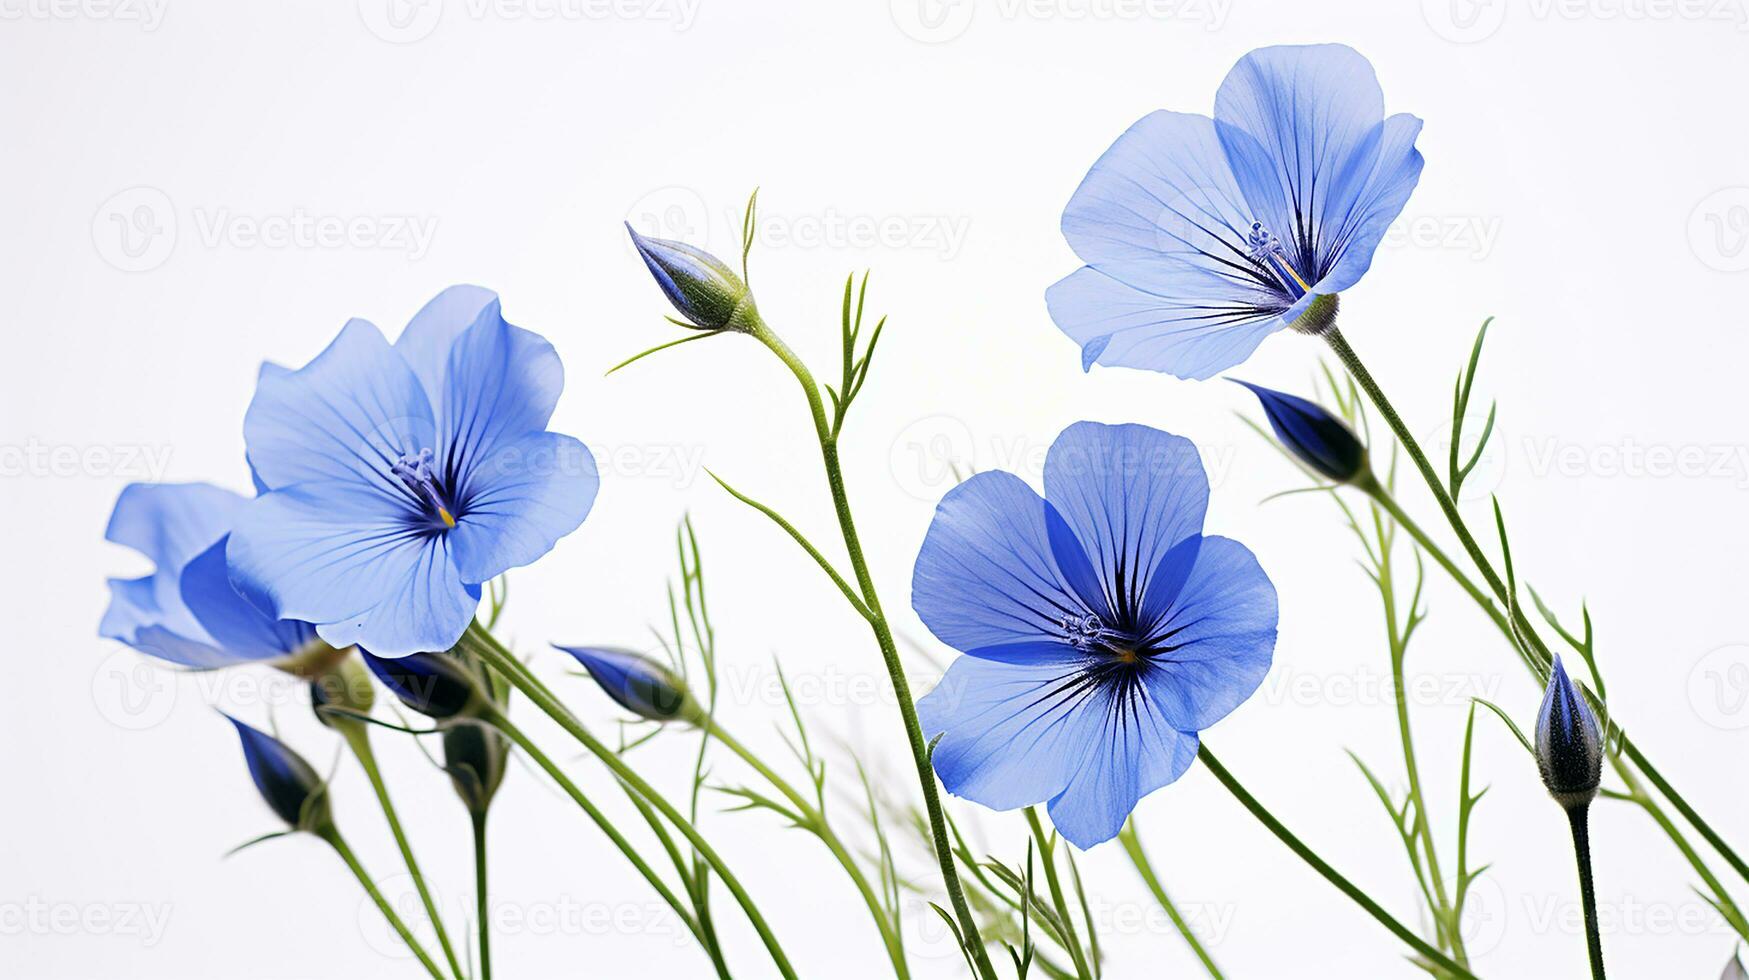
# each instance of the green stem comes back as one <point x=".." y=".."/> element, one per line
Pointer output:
<point x="1518" y="623"/>
<point x="1621" y="769"/>
<point x="1444" y="915"/>
<point x="1048" y="857"/>
<point x="817" y="824"/>
<point x="1330" y="874"/>
<point x="1132" y="845"/>
<point x="358" y="740"/>
<point x="332" y="836"/>
<point x="826" y="434"/>
<point x="504" y="662"/>
<point x="515" y="734"/>
<point x="481" y="908"/>
<point x="1582" y="850"/>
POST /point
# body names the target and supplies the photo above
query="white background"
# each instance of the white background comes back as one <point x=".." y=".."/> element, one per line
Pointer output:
<point x="1587" y="182"/>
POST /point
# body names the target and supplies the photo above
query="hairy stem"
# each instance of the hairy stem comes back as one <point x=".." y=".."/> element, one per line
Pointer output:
<point x="1576" y="817"/>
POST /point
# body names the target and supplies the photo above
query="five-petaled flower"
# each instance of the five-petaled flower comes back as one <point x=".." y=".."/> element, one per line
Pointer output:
<point x="1102" y="629"/>
<point x="398" y="479"/>
<point x="1203" y="236"/>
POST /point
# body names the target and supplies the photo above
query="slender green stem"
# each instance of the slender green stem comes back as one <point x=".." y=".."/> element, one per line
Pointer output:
<point x="1306" y="854"/>
<point x="818" y="826"/>
<point x="1048" y="858"/>
<point x="1582" y="850"/>
<point x="828" y="439"/>
<point x="558" y="776"/>
<point x="332" y="836"/>
<point x="481" y="907"/>
<point x="1727" y="908"/>
<point x="504" y="662"/>
<point x="1444" y="915"/>
<point x="1621" y="769"/>
<point x="1132" y="845"/>
<point x="1517" y="624"/>
<point x="358" y="740"/>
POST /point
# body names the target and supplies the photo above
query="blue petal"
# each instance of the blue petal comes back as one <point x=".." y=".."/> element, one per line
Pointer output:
<point x="1310" y="121"/>
<point x="1218" y="638"/>
<point x="1013" y="734"/>
<point x="500" y="385"/>
<point x="1131" y="494"/>
<point x="1385" y="187"/>
<point x="242" y="631"/>
<point x="1161" y="215"/>
<point x="521" y="501"/>
<point x="356" y="563"/>
<point x="1131" y="753"/>
<point x="1019" y="734"/>
<point x="1185" y="335"/>
<point x="426" y="343"/>
<point x="347" y="415"/>
<point x="989" y="580"/>
<point x="169" y="524"/>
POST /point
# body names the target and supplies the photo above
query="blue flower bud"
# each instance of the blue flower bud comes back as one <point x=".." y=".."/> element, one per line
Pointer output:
<point x="437" y="685"/>
<point x="640" y="684"/>
<point x="1569" y="745"/>
<point x="475" y="757"/>
<point x="285" y="780"/>
<point x="705" y="291"/>
<point x="1320" y="440"/>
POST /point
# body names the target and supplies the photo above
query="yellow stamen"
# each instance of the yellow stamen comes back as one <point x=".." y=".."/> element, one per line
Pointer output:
<point x="1126" y="656"/>
<point x="448" y="521"/>
<point x="1296" y="276"/>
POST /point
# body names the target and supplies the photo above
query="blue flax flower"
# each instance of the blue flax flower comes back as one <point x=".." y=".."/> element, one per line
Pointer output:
<point x="1102" y="629"/>
<point x="398" y="479"/>
<point x="1203" y="236"/>
<point x="186" y="611"/>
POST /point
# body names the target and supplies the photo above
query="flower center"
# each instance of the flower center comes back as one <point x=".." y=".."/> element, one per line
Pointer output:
<point x="1265" y="250"/>
<point x="414" y="469"/>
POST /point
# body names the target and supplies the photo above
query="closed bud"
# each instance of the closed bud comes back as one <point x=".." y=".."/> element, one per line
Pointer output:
<point x="475" y="756"/>
<point x="706" y="292"/>
<point x="640" y="684"/>
<point x="437" y="685"/>
<point x="288" y="784"/>
<point x="1315" y="437"/>
<point x="1569" y="745"/>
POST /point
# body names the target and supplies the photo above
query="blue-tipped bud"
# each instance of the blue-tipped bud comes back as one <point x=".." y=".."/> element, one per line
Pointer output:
<point x="641" y="685"/>
<point x="1569" y="744"/>
<point x="1319" y="439"/>
<point x="437" y="685"/>
<point x="706" y="292"/>
<point x="285" y="780"/>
